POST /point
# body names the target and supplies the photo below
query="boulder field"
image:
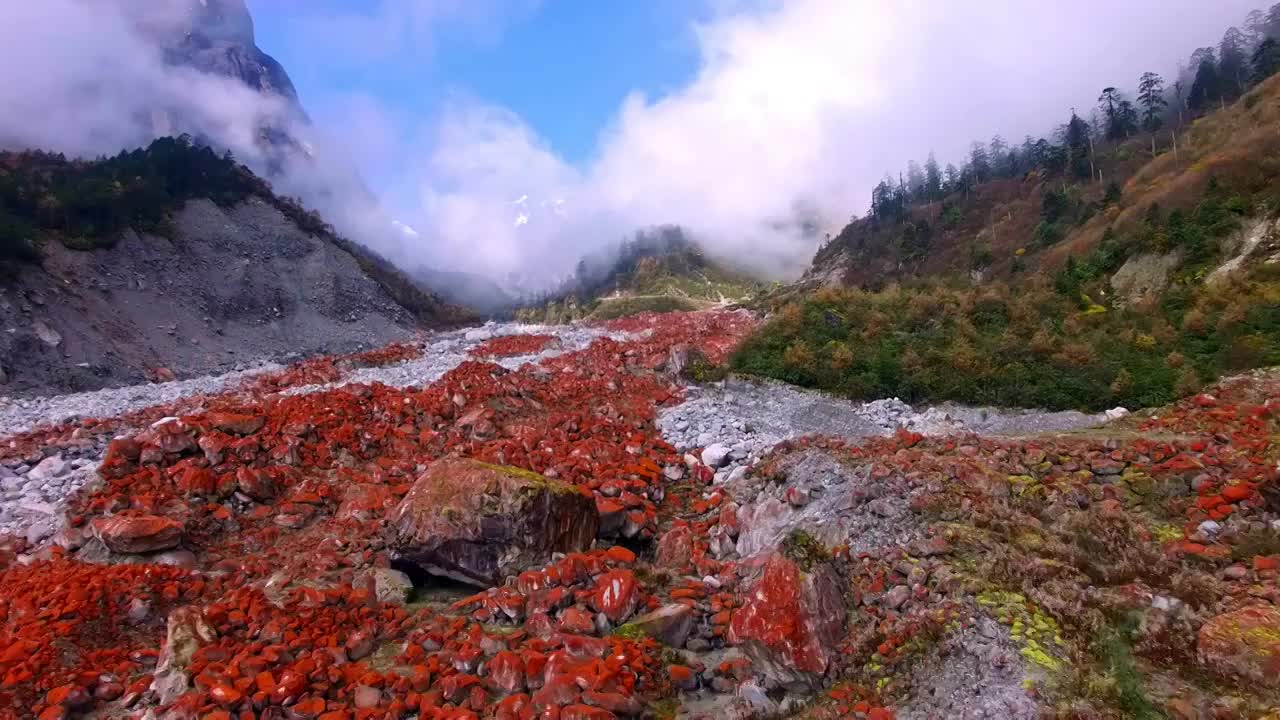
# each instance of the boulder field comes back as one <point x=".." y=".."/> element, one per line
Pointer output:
<point x="520" y="542"/>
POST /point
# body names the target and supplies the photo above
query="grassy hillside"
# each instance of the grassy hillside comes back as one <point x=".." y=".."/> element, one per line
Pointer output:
<point x="1010" y="227"/>
<point x="1050" y="330"/>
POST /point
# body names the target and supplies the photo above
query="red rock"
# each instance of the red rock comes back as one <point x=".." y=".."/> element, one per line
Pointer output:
<point x="616" y="595"/>
<point x="1236" y="493"/>
<point x="791" y="621"/>
<point x="619" y="554"/>
<point x="233" y="423"/>
<point x="480" y="523"/>
<point x="585" y="712"/>
<point x="576" y="621"/>
<point x="225" y="695"/>
<point x="506" y="672"/>
<point x="1244" y="644"/>
<point x="613" y="516"/>
<point x="675" y="548"/>
<point x="308" y="708"/>
<point x="256" y="483"/>
<point x="138" y="533"/>
<point x="121" y="457"/>
<point x="365" y="502"/>
<point x="682" y="677"/>
<point x="515" y="707"/>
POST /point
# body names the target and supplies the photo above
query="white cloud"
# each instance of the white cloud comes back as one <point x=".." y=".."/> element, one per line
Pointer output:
<point x="796" y="109"/>
<point x="798" y="104"/>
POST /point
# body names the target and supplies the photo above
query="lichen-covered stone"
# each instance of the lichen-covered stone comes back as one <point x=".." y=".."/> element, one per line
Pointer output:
<point x="480" y="523"/>
<point x="1244" y="644"/>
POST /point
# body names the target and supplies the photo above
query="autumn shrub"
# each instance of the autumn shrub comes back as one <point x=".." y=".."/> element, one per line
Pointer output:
<point x="1031" y="347"/>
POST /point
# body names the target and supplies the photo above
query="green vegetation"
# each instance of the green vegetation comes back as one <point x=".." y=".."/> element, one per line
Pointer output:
<point x="87" y="205"/>
<point x="804" y="549"/>
<point x="658" y="270"/>
<point x="612" y="308"/>
<point x="1125" y="682"/>
<point x="1033" y="345"/>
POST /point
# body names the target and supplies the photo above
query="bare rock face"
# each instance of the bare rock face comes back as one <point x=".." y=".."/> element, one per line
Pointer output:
<point x="1243" y="644"/>
<point x="139" y="533"/>
<point x="791" y="622"/>
<point x="480" y="523"/>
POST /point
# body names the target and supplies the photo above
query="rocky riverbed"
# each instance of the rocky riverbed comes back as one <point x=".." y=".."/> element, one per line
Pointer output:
<point x="291" y="541"/>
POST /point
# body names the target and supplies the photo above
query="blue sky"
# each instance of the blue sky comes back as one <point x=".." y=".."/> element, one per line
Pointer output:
<point x="563" y="66"/>
<point x="743" y="121"/>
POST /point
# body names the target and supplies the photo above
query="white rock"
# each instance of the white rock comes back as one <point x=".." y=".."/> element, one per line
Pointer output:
<point x="1117" y="413"/>
<point x="715" y="456"/>
<point x="51" y="467"/>
<point x="1209" y="528"/>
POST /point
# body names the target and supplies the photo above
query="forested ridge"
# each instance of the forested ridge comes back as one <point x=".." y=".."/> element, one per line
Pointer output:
<point x="992" y="281"/>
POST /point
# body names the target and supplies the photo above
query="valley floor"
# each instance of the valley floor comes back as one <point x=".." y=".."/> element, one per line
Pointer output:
<point x="237" y="545"/>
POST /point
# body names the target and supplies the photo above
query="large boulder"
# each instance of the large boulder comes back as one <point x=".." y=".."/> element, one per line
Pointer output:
<point x="1244" y="644"/>
<point x="138" y="533"/>
<point x="791" y="621"/>
<point x="480" y="523"/>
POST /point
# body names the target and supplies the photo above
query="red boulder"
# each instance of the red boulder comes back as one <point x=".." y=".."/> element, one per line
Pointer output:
<point x="138" y="533"/>
<point x="791" y="621"/>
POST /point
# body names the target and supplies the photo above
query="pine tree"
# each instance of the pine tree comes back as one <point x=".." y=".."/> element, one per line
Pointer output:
<point x="1151" y="98"/>
<point x="932" y="178"/>
<point x="1076" y="139"/>
<point x="916" y="181"/>
<point x="1118" y="113"/>
<point x="1266" y="60"/>
<point x="1233" y="62"/>
<point x="979" y="162"/>
<point x="1206" y="89"/>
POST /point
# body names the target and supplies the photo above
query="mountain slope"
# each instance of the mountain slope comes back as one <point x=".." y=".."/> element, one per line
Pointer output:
<point x="172" y="257"/>
<point x="1047" y="291"/>
<point x="659" y="269"/>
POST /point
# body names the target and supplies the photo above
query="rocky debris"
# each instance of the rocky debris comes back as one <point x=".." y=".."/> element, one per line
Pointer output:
<point x="480" y="523"/>
<point x="861" y="508"/>
<point x="976" y="672"/>
<point x="791" y="621"/>
<point x="1162" y="516"/>
<point x="34" y="494"/>
<point x="1244" y="644"/>
<point x="751" y="416"/>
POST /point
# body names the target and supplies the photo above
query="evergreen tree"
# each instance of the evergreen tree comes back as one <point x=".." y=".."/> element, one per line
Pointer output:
<point x="1233" y="63"/>
<point x="1266" y="60"/>
<point x="1076" y="139"/>
<point x="1119" y="114"/>
<point x="1255" y="28"/>
<point x="979" y="162"/>
<point x="952" y="178"/>
<point x="932" y="178"/>
<point x="1151" y="98"/>
<point x="998" y="156"/>
<point x="1206" y="89"/>
<point x="915" y="181"/>
<point x="1271" y="28"/>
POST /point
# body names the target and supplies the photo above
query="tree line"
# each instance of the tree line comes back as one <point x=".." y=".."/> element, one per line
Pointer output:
<point x="1212" y="77"/>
